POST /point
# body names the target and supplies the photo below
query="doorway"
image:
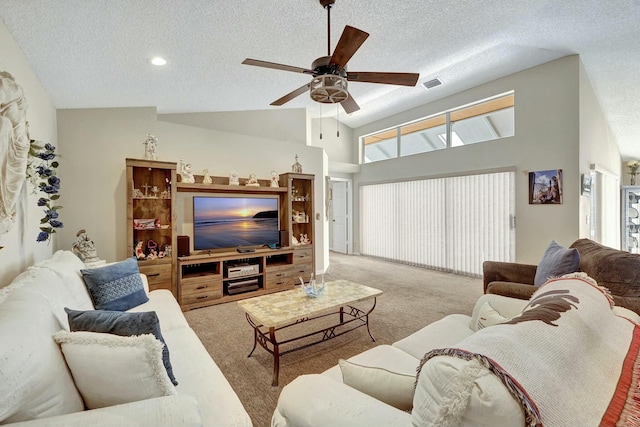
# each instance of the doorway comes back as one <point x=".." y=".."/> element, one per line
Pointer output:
<point x="340" y="216"/>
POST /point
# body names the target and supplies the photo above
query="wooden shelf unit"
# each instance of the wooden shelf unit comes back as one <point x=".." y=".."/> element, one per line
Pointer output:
<point x="201" y="277"/>
<point x="144" y="175"/>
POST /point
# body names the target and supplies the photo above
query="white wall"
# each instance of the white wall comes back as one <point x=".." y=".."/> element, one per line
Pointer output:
<point x="20" y="246"/>
<point x="597" y="145"/>
<point x="281" y="124"/>
<point x="339" y="149"/>
<point x="547" y="137"/>
<point x="99" y="140"/>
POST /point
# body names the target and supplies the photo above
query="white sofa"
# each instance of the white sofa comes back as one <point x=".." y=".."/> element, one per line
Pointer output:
<point x="37" y="388"/>
<point x="324" y="400"/>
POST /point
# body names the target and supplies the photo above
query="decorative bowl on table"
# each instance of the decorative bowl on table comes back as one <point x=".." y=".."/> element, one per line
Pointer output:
<point x="312" y="289"/>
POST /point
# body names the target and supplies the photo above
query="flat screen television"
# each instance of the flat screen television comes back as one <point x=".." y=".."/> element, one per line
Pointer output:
<point x="226" y="221"/>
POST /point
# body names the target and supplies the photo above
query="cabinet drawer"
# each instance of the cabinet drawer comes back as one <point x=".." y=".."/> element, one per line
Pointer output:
<point x="157" y="275"/>
<point x="200" y="297"/>
<point x="301" y="256"/>
<point x="303" y="270"/>
<point x="280" y="277"/>
<point x="204" y="286"/>
<point x="282" y="283"/>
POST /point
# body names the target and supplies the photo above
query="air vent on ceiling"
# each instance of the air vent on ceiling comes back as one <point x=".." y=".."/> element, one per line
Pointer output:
<point x="432" y="83"/>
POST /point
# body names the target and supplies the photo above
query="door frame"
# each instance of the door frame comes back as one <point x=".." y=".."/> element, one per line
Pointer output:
<point x="349" y="219"/>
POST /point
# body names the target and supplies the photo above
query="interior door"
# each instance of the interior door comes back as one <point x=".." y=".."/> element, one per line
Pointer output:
<point x="339" y="217"/>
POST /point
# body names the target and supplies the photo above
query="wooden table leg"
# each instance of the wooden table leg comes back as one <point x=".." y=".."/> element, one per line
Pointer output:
<point x="341" y="315"/>
<point x="276" y="356"/>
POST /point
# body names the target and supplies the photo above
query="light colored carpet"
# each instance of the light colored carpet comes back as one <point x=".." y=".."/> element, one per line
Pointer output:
<point x="413" y="297"/>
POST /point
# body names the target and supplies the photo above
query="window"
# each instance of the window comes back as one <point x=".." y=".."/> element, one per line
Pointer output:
<point x="451" y="224"/>
<point x="482" y="121"/>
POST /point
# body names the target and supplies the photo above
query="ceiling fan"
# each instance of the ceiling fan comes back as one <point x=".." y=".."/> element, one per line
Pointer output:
<point x="330" y="75"/>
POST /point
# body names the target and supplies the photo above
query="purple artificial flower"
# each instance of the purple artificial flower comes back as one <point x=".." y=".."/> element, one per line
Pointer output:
<point x="42" y="236"/>
<point x="51" y="214"/>
<point x="54" y="181"/>
<point x="49" y="147"/>
<point x="46" y="156"/>
<point x="56" y="224"/>
<point x="42" y="201"/>
<point x="50" y="189"/>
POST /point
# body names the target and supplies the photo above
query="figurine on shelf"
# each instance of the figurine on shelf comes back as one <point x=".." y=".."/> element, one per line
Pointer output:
<point x="166" y="248"/>
<point x="206" y="179"/>
<point x="304" y="240"/>
<point x="275" y="179"/>
<point x="252" y="181"/>
<point x="297" y="167"/>
<point x="185" y="173"/>
<point x="233" y="178"/>
<point x="150" y="147"/>
<point x="139" y="250"/>
<point x="294" y="241"/>
<point x="152" y="247"/>
<point x="137" y="194"/>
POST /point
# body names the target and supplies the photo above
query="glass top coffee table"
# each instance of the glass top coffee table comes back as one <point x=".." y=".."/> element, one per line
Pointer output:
<point x="269" y="314"/>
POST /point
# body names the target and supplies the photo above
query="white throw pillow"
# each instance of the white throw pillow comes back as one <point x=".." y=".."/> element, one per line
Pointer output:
<point x="489" y="316"/>
<point x="109" y="369"/>
<point x="463" y="393"/>
<point x="389" y="387"/>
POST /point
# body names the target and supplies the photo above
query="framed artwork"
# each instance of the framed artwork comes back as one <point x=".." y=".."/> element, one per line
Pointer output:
<point x="585" y="186"/>
<point x="545" y="187"/>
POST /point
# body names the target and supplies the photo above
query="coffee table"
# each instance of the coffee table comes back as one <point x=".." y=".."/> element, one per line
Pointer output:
<point x="269" y="314"/>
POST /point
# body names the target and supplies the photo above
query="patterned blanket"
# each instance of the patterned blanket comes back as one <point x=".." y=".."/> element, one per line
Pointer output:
<point x="567" y="358"/>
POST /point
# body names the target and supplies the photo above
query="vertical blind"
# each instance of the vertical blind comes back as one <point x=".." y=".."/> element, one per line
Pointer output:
<point x="450" y="224"/>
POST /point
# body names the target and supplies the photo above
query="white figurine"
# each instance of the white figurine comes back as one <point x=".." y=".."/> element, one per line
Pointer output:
<point x="275" y="179"/>
<point x="297" y="167"/>
<point x="150" y="147"/>
<point x="233" y="178"/>
<point x="207" y="179"/>
<point x="185" y="173"/>
<point x="252" y="181"/>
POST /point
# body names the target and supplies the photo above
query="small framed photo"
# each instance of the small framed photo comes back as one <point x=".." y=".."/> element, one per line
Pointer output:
<point x="545" y="187"/>
<point x="585" y="187"/>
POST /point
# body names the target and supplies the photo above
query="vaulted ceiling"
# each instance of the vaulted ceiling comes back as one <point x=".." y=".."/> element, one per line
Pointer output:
<point x="96" y="53"/>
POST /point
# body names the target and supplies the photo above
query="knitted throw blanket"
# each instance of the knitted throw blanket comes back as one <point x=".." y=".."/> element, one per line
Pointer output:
<point x="567" y="358"/>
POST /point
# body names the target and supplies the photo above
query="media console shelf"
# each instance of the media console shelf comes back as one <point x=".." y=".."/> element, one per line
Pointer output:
<point x="204" y="278"/>
<point x="215" y="278"/>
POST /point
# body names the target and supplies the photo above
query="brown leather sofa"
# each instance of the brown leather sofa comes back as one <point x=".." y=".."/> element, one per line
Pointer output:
<point x="616" y="270"/>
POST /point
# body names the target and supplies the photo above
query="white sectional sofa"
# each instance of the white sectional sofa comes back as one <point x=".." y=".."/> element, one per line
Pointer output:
<point x="38" y="389"/>
<point x="325" y="400"/>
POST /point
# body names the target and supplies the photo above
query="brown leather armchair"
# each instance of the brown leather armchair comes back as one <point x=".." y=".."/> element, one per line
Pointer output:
<point x="613" y="269"/>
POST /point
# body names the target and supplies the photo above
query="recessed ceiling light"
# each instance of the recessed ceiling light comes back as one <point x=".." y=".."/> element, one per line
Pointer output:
<point x="158" y="61"/>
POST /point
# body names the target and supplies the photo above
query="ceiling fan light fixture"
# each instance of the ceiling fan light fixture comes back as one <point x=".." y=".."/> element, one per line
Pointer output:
<point x="328" y="89"/>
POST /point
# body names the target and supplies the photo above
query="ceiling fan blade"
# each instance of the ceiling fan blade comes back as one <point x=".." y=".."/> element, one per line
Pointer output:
<point x="350" y="105"/>
<point x="288" y="97"/>
<point x="276" y="66"/>
<point x="403" y="79"/>
<point x="350" y="41"/>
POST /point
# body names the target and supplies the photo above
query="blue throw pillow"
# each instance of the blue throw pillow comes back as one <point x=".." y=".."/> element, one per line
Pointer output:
<point x="122" y="324"/>
<point x="556" y="261"/>
<point x="115" y="287"/>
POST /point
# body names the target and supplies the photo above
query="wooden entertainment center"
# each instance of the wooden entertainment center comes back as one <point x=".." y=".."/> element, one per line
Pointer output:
<point x="211" y="277"/>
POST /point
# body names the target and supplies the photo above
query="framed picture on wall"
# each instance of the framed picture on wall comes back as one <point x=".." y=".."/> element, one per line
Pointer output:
<point x="585" y="186"/>
<point x="545" y="187"/>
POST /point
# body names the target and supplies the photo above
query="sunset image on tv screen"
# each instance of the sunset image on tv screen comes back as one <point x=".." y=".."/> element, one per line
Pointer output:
<point x="224" y="222"/>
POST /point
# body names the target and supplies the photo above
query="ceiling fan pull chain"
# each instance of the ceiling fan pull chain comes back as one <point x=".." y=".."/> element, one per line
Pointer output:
<point x="320" y="121"/>
<point x="338" y="119"/>
<point x="328" y="29"/>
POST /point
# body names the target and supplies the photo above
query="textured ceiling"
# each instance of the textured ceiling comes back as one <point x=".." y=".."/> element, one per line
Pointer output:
<point x="95" y="53"/>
